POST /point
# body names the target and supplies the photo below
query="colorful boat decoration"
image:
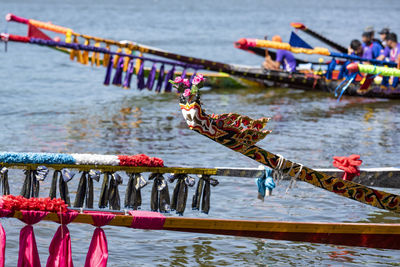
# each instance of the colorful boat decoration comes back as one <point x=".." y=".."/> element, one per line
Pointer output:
<point x="31" y="209"/>
<point x="241" y="133"/>
<point x="331" y="81"/>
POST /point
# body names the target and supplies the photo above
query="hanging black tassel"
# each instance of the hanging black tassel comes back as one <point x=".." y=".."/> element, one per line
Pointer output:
<point x="103" y="201"/>
<point x="203" y="193"/>
<point x="170" y="76"/>
<point x="180" y="194"/>
<point x="160" y="200"/>
<point x="197" y="195"/>
<point x="151" y="78"/>
<point x="53" y="188"/>
<point x="26" y="187"/>
<point x="114" y="198"/>
<point x="109" y="71"/>
<point x="66" y="176"/>
<point x="133" y="196"/>
<point x="92" y="175"/>
<point x="4" y="181"/>
<point x="160" y="79"/>
<point x="81" y="191"/>
<point x="34" y="184"/>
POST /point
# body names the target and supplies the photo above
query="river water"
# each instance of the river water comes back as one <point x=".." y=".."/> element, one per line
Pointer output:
<point x="49" y="104"/>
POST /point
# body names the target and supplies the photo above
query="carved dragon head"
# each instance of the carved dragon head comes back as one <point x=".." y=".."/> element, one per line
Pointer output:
<point x="235" y="131"/>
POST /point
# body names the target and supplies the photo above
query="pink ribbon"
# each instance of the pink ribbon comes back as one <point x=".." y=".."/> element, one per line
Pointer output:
<point x="3" y="213"/>
<point x="28" y="254"/>
<point x="147" y="220"/>
<point x="98" y="251"/>
<point x="60" y="247"/>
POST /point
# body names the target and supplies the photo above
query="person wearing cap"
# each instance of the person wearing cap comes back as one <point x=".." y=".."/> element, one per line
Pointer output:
<point x="394" y="47"/>
<point x="370" y="30"/>
<point x="371" y="48"/>
<point x="283" y="57"/>
<point x="386" y="49"/>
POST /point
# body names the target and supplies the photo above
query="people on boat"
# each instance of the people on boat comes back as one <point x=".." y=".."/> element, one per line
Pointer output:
<point x="371" y="31"/>
<point x="284" y="58"/>
<point x="394" y="47"/>
<point x="371" y="48"/>
<point x="356" y="48"/>
<point x="386" y="49"/>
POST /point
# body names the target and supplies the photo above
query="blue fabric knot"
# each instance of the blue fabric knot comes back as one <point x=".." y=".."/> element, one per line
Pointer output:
<point x="265" y="182"/>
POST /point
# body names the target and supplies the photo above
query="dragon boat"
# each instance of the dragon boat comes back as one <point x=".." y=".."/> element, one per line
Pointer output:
<point x="124" y="60"/>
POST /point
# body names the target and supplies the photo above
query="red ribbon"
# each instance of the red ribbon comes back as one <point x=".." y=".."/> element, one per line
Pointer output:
<point x="349" y="165"/>
<point x="60" y="246"/>
<point x="98" y="251"/>
<point x="3" y="213"/>
<point x="28" y="253"/>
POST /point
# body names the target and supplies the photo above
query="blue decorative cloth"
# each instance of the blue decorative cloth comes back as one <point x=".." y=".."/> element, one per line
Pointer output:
<point x="265" y="182"/>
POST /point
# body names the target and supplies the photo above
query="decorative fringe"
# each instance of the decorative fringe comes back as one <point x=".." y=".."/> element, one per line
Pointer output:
<point x="160" y="79"/>
<point x="66" y="176"/>
<point x="85" y="54"/>
<point x="81" y="191"/>
<point x="119" y="50"/>
<point x="96" y="56"/>
<point x="118" y="72"/>
<point x="140" y="77"/>
<point x="4" y="181"/>
<point x="106" y="58"/>
<point x="170" y="76"/>
<point x="128" y="75"/>
<point x="108" y="71"/>
<point x="183" y="73"/>
<point x="180" y="194"/>
<point x="114" y="198"/>
<point x="133" y="196"/>
<point x="203" y="193"/>
<point x="103" y="200"/>
<point x="151" y="78"/>
<point x="127" y="59"/>
<point x="160" y="200"/>
<point x="30" y="188"/>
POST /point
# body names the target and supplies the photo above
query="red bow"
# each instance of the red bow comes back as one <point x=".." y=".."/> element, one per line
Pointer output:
<point x="349" y="165"/>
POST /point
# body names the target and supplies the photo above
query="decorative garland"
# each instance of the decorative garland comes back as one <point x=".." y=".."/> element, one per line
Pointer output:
<point x="140" y="160"/>
<point x="13" y="203"/>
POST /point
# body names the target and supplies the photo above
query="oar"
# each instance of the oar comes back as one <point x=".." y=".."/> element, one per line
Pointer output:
<point x="240" y="133"/>
<point x="302" y="27"/>
<point x="314" y="51"/>
<point x="296" y="79"/>
<point x="208" y="64"/>
<point x="386" y="236"/>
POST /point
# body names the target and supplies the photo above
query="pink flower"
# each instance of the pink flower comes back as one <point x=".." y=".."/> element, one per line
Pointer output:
<point x="196" y="80"/>
<point x="178" y="80"/>
<point x="200" y="76"/>
<point x="186" y="93"/>
<point x="186" y="82"/>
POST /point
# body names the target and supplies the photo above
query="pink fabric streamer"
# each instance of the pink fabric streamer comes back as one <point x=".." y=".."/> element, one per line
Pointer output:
<point x="98" y="251"/>
<point x="60" y="247"/>
<point x="147" y="220"/>
<point x="3" y="213"/>
<point x="28" y="254"/>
